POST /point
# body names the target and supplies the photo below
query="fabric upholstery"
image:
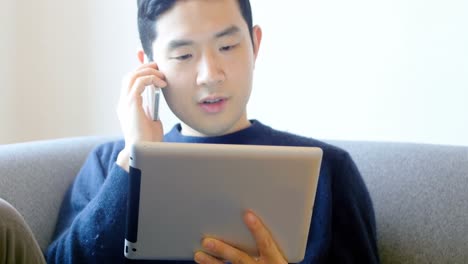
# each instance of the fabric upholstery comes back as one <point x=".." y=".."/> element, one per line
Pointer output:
<point x="420" y="198"/>
<point x="419" y="192"/>
<point x="35" y="175"/>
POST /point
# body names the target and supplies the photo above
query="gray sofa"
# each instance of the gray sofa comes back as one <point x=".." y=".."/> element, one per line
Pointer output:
<point x="419" y="191"/>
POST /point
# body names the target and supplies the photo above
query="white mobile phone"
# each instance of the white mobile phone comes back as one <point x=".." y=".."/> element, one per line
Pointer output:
<point x="151" y="97"/>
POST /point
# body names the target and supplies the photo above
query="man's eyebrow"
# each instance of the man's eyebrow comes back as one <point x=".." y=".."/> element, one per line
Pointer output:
<point x="174" y="44"/>
<point x="177" y="43"/>
<point x="229" y="31"/>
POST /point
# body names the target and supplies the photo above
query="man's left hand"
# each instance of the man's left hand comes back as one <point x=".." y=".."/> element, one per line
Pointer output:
<point x="217" y="252"/>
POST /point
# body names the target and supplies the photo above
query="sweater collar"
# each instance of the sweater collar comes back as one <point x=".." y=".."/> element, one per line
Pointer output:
<point x="244" y="136"/>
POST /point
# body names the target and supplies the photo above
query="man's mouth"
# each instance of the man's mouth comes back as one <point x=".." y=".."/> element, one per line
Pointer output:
<point x="213" y="105"/>
<point x="213" y="101"/>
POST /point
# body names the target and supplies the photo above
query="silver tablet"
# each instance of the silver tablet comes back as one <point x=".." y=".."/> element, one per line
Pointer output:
<point x="180" y="193"/>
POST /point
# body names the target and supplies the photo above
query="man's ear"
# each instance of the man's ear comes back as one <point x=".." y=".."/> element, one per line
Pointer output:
<point x="257" y="39"/>
<point x="141" y="56"/>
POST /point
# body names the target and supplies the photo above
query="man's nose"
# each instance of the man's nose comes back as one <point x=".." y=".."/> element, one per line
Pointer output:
<point x="210" y="72"/>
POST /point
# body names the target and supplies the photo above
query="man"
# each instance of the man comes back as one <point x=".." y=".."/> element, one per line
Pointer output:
<point x="202" y="55"/>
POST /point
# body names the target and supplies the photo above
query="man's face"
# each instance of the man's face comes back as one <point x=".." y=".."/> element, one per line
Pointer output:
<point x="204" y="49"/>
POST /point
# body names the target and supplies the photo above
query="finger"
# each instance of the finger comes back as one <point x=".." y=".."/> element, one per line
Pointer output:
<point x="138" y="88"/>
<point x="148" y="64"/>
<point x="149" y="71"/>
<point x="224" y="251"/>
<point x="158" y="78"/>
<point x="145" y="69"/>
<point x="128" y="82"/>
<point x="147" y="112"/>
<point x="125" y="86"/>
<point x="123" y="100"/>
<point x="203" y="258"/>
<point x="266" y="245"/>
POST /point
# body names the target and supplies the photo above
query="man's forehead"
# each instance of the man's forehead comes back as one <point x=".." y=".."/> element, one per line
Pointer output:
<point x="199" y="18"/>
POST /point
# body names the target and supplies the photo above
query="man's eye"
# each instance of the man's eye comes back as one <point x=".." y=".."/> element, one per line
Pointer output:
<point x="227" y="48"/>
<point x="183" y="57"/>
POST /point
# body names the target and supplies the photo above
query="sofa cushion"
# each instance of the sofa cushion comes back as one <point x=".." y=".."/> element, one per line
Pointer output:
<point x="420" y="198"/>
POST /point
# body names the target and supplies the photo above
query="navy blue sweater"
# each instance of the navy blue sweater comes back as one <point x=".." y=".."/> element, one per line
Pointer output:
<point x="91" y="223"/>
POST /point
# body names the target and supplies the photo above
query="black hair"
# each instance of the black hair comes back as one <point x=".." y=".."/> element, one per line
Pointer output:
<point x="150" y="10"/>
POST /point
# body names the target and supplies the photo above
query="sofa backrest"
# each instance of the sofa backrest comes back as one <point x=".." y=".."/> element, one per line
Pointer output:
<point x="35" y="175"/>
<point x="420" y="196"/>
<point x="419" y="192"/>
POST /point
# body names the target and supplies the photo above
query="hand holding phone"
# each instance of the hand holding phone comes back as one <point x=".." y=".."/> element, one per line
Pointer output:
<point x="138" y="108"/>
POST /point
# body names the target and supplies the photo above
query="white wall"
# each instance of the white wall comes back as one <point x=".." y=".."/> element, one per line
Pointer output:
<point x="7" y="80"/>
<point x="371" y="70"/>
<point x="66" y="58"/>
<point x="395" y="71"/>
<point x="51" y="72"/>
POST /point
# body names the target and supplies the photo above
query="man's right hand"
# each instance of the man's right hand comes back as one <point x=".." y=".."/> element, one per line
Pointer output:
<point x="136" y="123"/>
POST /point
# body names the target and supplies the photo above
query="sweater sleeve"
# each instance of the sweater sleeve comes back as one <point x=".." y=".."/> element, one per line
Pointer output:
<point x="353" y="225"/>
<point x="93" y="211"/>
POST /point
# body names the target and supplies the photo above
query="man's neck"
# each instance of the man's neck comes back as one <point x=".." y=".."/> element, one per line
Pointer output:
<point x="189" y="131"/>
